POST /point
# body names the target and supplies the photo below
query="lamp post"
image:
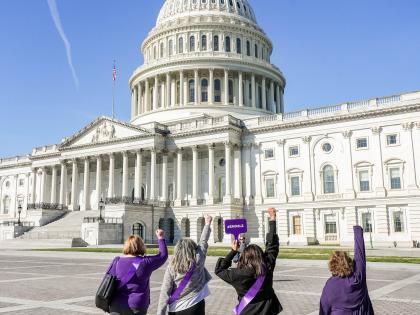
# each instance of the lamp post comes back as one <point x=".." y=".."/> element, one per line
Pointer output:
<point x="19" y="212"/>
<point x="101" y="207"/>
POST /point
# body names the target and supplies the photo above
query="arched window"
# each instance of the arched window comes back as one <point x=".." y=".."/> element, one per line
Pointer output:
<point x="248" y="48"/>
<point x="178" y="91"/>
<point x="204" y="91"/>
<point x="138" y="229"/>
<point x="328" y="179"/>
<point x="259" y="97"/>
<point x="162" y="50"/>
<point x="191" y="89"/>
<point x="192" y="43"/>
<point x="6" y="205"/>
<point x="154" y="52"/>
<point x="238" y="46"/>
<point x="170" y="47"/>
<point x="204" y="43"/>
<point x="256" y="51"/>
<point x="185" y="227"/>
<point x="230" y="91"/>
<point x="218" y="230"/>
<point x="227" y="44"/>
<point x="181" y="45"/>
<point x="216" y="43"/>
<point x="217" y="91"/>
<point x="171" y="231"/>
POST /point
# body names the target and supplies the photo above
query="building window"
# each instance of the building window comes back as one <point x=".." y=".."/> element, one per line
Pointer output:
<point x="256" y="51"/>
<point x="216" y="43"/>
<point x="21" y="182"/>
<point x="204" y="43"/>
<point x="6" y="205"/>
<point x="362" y="143"/>
<point x="364" y="182"/>
<point x="217" y="91"/>
<point x="398" y="218"/>
<point x="162" y="50"/>
<point x="170" y="47"/>
<point x="230" y="86"/>
<point x="295" y="185"/>
<point x="192" y="43"/>
<point x="330" y="224"/>
<point x="154" y="52"/>
<point x="269" y="187"/>
<point x="327" y="147"/>
<point x="367" y="222"/>
<point x="395" y="178"/>
<point x="297" y="225"/>
<point x="269" y="154"/>
<point x="191" y="84"/>
<point x="227" y="44"/>
<point x="294" y="151"/>
<point x="392" y="139"/>
<point x="7" y="184"/>
<point x="328" y="180"/>
<point x="181" y="45"/>
<point x="238" y="46"/>
<point x="138" y="229"/>
<point x="204" y="90"/>
<point x="248" y="48"/>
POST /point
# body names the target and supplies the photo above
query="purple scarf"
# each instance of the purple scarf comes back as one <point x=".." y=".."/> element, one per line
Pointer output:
<point x="250" y="295"/>
<point x="177" y="293"/>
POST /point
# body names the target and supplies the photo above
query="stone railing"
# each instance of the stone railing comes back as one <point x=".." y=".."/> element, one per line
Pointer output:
<point x="205" y="123"/>
<point x="44" y="150"/>
<point x="102" y="220"/>
<point x="136" y="202"/>
<point x="46" y="206"/>
<point x="16" y="223"/>
<point x="14" y="160"/>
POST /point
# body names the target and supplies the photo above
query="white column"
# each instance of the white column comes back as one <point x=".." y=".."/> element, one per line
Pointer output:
<point x="135" y="98"/>
<point x="241" y="90"/>
<point x="264" y="94"/>
<point x="282" y="177"/>
<point x="196" y="84"/>
<point x="226" y="83"/>
<point x="54" y="185"/>
<point x="125" y="175"/>
<point x="164" y="196"/>
<point x="63" y="178"/>
<point x="228" y="173"/>
<point x="139" y="94"/>
<point x="378" y="178"/>
<point x="279" y="98"/>
<point x="211" y="86"/>
<point x="181" y="89"/>
<point x="210" y="200"/>
<point x="347" y="180"/>
<point x="407" y="139"/>
<point x="256" y="149"/>
<point x="253" y="99"/>
<point x="111" y="184"/>
<point x="86" y="184"/>
<point x="194" y="175"/>
<point x="173" y="92"/>
<point x="74" y="186"/>
<point x="168" y="91"/>
<point x="179" y="188"/>
<point x="153" y="174"/>
<point x="238" y="172"/>
<point x="155" y="94"/>
<point x="33" y="188"/>
<point x="98" y="185"/>
<point x="147" y="106"/>
<point x="272" y="105"/>
<point x="43" y="183"/>
<point x="138" y="177"/>
<point x="248" y="172"/>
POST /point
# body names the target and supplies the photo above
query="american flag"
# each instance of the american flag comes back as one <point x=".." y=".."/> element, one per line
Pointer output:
<point x="114" y="73"/>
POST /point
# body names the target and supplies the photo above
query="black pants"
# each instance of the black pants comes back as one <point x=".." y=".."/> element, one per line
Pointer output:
<point x="198" y="309"/>
<point x="123" y="310"/>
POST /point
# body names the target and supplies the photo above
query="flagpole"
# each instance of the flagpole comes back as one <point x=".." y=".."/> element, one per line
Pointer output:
<point x="114" y="80"/>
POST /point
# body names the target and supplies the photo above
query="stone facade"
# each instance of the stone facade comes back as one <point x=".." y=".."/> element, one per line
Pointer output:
<point x="208" y="134"/>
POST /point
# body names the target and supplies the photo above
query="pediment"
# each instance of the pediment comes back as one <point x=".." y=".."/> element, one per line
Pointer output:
<point x="104" y="130"/>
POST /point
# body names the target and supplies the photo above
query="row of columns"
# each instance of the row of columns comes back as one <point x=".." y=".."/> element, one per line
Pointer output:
<point x="142" y="101"/>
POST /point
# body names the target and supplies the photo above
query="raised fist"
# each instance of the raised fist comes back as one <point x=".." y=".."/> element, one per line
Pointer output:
<point x="235" y="245"/>
<point x="208" y="219"/>
<point x="272" y="214"/>
<point x="160" y="234"/>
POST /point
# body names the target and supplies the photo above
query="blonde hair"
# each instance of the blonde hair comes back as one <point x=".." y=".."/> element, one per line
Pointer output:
<point x="134" y="246"/>
<point x="184" y="255"/>
<point x="341" y="264"/>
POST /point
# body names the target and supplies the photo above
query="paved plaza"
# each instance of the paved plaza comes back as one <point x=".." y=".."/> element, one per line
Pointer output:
<point x="65" y="283"/>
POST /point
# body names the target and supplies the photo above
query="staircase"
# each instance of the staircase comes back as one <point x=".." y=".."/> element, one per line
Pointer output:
<point x="68" y="227"/>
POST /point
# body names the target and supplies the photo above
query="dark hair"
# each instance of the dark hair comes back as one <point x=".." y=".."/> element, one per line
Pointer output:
<point x="253" y="257"/>
<point x="341" y="265"/>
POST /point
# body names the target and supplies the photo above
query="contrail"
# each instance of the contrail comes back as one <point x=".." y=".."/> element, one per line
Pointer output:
<point x="57" y="21"/>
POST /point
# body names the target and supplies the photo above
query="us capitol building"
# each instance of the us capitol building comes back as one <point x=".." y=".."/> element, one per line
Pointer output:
<point x="208" y="134"/>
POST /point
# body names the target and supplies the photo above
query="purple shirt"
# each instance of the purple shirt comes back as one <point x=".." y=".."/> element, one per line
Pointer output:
<point x="136" y="293"/>
<point x="349" y="296"/>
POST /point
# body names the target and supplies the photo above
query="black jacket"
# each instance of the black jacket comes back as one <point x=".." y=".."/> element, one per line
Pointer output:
<point x="266" y="301"/>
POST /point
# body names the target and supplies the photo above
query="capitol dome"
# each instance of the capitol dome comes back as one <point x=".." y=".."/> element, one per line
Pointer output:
<point x="205" y="58"/>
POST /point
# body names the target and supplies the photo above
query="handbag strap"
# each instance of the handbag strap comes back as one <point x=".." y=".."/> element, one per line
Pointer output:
<point x="250" y="295"/>
<point x="178" y="291"/>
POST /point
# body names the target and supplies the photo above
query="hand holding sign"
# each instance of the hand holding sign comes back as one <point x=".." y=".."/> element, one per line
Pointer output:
<point x="236" y="227"/>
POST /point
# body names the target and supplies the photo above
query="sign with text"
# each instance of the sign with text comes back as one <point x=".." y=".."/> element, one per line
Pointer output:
<point x="236" y="227"/>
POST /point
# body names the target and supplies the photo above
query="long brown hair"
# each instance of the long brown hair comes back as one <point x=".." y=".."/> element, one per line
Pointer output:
<point x="253" y="257"/>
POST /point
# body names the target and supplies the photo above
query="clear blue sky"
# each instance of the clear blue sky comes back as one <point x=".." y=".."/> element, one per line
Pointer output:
<point x="330" y="52"/>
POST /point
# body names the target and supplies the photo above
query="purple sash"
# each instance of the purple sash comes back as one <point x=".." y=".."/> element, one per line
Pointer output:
<point x="177" y="293"/>
<point x="250" y="295"/>
<point x="129" y="275"/>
